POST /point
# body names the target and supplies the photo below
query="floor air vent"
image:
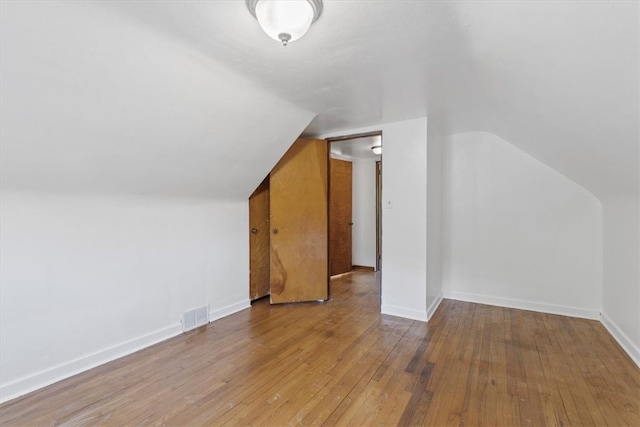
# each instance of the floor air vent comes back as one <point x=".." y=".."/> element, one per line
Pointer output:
<point x="193" y="318"/>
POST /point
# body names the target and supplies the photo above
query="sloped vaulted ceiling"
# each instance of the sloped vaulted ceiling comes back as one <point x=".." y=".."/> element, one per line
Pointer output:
<point x="94" y="102"/>
<point x="192" y="98"/>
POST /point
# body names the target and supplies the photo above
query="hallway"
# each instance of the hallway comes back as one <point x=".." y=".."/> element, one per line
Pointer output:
<point x="342" y="362"/>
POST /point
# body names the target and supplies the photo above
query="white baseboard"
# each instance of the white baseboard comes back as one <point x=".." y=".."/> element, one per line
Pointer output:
<point x="407" y="313"/>
<point x="434" y="306"/>
<point x="60" y="372"/>
<point x="49" y="376"/>
<point x="627" y="345"/>
<point x="562" y="310"/>
<point x="228" y="309"/>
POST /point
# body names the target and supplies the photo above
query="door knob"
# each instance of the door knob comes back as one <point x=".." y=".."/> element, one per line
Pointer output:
<point x="254" y="230"/>
<point x="275" y="231"/>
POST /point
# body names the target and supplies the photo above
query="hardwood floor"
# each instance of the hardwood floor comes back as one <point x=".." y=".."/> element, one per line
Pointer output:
<point x="342" y="362"/>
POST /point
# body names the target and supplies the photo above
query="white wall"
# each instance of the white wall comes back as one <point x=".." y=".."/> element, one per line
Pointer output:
<point x="404" y="216"/>
<point x="516" y="232"/>
<point x="434" y="218"/>
<point x="84" y="280"/>
<point x="621" y="283"/>
<point x="364" y="213"/>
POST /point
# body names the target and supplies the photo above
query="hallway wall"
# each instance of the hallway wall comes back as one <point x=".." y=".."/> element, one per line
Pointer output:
<point x="364" y="212"/>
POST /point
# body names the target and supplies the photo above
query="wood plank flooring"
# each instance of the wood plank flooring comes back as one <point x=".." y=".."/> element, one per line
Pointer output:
<point x="341" y="362"/>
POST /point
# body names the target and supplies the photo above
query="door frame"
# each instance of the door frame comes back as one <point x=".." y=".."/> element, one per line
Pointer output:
<point x="378" y="178"/>
<point x="348" y="137"/>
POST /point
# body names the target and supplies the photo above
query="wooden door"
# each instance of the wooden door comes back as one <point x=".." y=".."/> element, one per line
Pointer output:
<point x="259" y="241"/>
<point x="299" y="223"/>
<point x="340" y="219"/>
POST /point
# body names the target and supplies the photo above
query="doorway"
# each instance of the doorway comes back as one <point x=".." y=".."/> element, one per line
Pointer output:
<point x="359" y="230"/>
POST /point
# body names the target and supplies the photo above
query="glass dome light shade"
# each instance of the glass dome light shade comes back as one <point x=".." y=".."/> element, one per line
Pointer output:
<point x="285" y="20"/>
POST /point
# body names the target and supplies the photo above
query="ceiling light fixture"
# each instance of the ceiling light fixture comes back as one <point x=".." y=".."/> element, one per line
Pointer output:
<point x="377" y="150"/>
<point x="285" y="20"/>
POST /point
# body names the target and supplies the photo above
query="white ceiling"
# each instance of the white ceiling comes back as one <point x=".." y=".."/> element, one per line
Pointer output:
<point x="356" y="148"/>
<point x="190" y="97"/>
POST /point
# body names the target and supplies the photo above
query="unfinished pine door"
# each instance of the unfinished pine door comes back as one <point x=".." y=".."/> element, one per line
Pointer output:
<point x="259" y="241"/>
<point x="340" y="216"/>
<point x="299" y="223"/>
